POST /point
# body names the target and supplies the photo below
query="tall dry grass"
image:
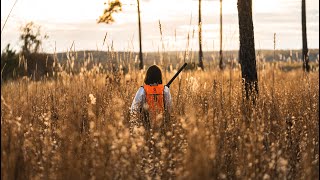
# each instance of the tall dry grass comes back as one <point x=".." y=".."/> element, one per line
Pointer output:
<point x="77" y="127"/>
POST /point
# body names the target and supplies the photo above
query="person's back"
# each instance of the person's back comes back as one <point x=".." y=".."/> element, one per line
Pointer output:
<point x="152" y="102"/>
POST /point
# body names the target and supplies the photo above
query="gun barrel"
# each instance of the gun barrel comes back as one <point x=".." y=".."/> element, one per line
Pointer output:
<point x="174" y="77"/>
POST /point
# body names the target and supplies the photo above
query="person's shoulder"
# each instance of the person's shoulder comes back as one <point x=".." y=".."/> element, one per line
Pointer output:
<point x="140" y="90"/>
<point x="166" y="89"/>
<point x="140" y="93"/>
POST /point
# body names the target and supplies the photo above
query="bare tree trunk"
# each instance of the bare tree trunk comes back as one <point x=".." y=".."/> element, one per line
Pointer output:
<point x="305" y="56"/>
<point x="220" y="62"/>
<point x="247" y="55"/>
<point x="140" y="43"/>
<point x="200" y="40"/>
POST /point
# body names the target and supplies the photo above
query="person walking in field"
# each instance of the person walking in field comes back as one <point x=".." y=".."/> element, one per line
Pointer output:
<point x="152" y="103"/>
<point x="151" y="108"/>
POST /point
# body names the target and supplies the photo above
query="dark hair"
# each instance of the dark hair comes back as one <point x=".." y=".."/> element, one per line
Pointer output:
<point x="154" y="75"/>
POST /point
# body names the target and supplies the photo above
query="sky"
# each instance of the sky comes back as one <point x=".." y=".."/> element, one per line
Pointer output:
<point x="68" y="21"/>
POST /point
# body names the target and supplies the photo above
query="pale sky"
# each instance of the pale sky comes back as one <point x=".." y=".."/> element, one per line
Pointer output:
<point x="65" y="21"/>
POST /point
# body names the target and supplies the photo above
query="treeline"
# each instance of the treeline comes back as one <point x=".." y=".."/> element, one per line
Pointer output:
<point x="31" y="63"/>
<point x="175" y="56"/>
<point x="38" y="65"/>
<point x="28" y="61"/>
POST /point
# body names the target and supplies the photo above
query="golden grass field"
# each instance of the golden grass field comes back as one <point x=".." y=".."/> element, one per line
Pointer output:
<point x="77" y="127"/>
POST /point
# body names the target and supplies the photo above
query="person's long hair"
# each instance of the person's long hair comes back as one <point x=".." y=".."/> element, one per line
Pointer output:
<point x="153" y="76"/>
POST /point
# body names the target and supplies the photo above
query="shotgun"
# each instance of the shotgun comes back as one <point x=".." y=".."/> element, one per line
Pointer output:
<point x="174" y="77"/>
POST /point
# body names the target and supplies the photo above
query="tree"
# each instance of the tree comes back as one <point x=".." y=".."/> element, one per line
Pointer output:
<point x="37" y="65"/>
<point x="140" y="43"/>
<point x="220" y="61"/>
<point x="9" y="64"/>
<point x="29" y="61"/>
<point x="200" y="40"/>
<point x="114" y="7"/>
<point x="305" y="55"/>
<point x="247" y="55"/>
<point x="31" y="38"/>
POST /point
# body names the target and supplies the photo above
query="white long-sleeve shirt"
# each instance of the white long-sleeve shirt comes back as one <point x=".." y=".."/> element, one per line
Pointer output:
<point x="139" y="99"/>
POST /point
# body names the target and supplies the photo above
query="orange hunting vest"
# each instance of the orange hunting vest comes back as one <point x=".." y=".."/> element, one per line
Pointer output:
<point x="155" y="104"/>
<point x="154" y="98"/>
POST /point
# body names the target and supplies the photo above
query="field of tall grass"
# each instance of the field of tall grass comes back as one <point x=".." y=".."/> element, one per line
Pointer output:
<point x="78" y="127"/>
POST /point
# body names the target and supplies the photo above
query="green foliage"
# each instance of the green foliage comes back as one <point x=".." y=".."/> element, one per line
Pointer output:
<point x="114" y="7"/>
<point x="28" y="62"/>
<point x="39" y="65"/>
<point x="9" y="64"/>
<point x="34" y="65"/>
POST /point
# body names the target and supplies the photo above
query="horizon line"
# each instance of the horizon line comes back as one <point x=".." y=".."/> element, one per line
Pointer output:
<point x="182" y="50"/>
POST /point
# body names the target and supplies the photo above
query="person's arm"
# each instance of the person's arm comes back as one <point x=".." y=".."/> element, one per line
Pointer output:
<point x="167" y="99"/>
<point x="137" y="101"/>
<point x="135" y="109"/>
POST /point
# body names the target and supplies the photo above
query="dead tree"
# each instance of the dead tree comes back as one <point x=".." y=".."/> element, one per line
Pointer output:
<point x="247" y="55"/>
<point x="305" y="56"/>
<point x="200" y="38"/>
<point x="220" y="61"/>
<point x="140" y="43"/>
